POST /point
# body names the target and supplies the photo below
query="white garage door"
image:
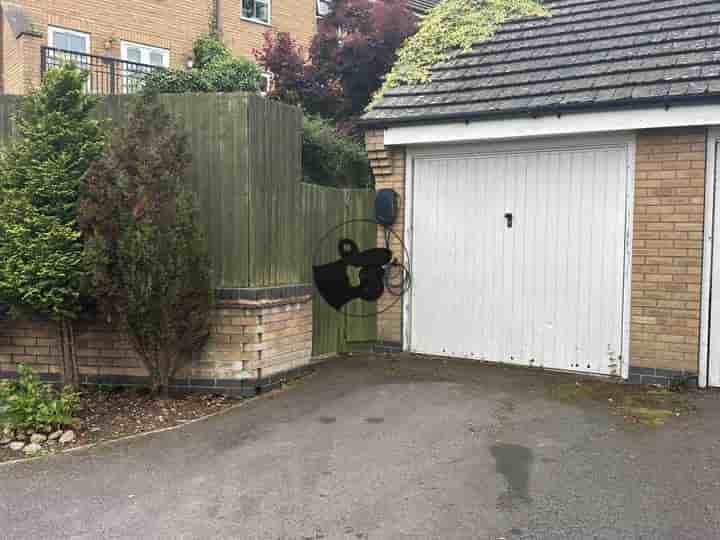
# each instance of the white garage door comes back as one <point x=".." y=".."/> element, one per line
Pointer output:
<point x="518" y="253"/>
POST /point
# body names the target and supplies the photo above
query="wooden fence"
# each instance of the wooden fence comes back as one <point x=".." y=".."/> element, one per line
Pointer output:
<point x="263" y="224"/>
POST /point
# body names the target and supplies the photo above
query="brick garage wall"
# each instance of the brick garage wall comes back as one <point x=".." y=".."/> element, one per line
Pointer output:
<point x="388" y="166"/>
<point x="667" y="249"/>
<point x="250" y="340"/>
<point x="667" y="246"/>
<point x="169" y="25"/>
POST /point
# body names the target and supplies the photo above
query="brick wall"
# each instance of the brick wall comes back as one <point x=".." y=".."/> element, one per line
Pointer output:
<point x="388" y="166"/>
<point x="250" y="339"/>
<point x="169" y="25"/>
<point x="667" y="249"/>
<point x="11" y="79"/>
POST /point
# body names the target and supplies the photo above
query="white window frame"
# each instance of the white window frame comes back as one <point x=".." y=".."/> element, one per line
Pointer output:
<point x="52" y="30"/>
<point x="124" y="45"/>
<point x="268" y="79"/>
<point x="82" y="64"/>
<point x="130" y="81"/>
<point x="255" y="19"/>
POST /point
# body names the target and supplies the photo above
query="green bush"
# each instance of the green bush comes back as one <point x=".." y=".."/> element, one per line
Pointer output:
<point x="41" y="176"/>
<point x="331" y="158"/>
<point x="144" y="241"/>
<point x="208" y="49"/>
<point x="27" y="403"/>
<point x="215" y="69"/>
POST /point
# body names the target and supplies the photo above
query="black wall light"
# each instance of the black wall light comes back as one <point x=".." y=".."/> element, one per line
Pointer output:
<point x="386" y="207"/>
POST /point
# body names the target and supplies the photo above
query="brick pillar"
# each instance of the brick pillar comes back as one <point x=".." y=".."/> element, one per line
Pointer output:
<point x="11" y="61"/>
<point x="20" y="60"/>
<point x="667" y="249"/>
<point x="388" y="166"/>
<point x="30" y="48"/>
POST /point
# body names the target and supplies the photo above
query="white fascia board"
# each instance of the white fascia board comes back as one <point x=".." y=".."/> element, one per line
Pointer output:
<point x="548" y="126"/>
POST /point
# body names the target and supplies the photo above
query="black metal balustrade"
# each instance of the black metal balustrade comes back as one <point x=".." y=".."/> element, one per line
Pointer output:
<point x="107" y="75"/>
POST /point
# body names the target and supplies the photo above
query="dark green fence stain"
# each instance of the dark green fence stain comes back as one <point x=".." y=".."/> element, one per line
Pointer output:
<point x="261" y="221"/>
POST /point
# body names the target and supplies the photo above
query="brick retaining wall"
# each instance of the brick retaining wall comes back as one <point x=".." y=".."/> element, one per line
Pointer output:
<point x="257" y="335"/>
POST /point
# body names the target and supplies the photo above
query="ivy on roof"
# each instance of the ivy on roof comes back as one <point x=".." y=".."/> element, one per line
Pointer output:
<point x="453" y="25"/>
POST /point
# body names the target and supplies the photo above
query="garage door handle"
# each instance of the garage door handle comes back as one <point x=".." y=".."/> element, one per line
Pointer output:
<point x="508" y="219"/>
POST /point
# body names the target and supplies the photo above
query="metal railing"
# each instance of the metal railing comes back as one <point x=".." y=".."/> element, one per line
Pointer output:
<point x="107" y="75"/>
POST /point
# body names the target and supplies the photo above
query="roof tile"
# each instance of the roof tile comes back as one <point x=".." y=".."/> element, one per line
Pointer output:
<point x="590" y="53"/>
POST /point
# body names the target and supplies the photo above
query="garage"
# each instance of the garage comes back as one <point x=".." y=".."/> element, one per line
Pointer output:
<point x="519" y="252"/>
<point x="559" y="197"/>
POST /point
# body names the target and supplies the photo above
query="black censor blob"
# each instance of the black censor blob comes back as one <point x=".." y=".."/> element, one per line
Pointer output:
<point x="354" y="275"/>
<point x="347" y="276"/>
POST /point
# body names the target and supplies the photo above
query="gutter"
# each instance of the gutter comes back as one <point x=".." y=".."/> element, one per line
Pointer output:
<point x="218" y="25"/>
<point x="553" y="110"/>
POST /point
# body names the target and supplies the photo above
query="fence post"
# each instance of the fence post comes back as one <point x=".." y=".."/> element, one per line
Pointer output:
<point x="112" y="78"/>
<point x="43" y="61"/>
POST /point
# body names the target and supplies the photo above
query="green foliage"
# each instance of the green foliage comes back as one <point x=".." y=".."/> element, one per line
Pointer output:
<point x="151" y="266"/>
<point x="453" y="25"/>
<point x="41" y="266"/>
<point x="215" y="69"/>
<point x="26" y="403"/>
<point x="331" y="158"/>
<point x="209" y="49"/>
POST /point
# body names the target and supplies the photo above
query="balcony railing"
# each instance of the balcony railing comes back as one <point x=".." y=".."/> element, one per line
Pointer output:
<point x="107" y="75"/>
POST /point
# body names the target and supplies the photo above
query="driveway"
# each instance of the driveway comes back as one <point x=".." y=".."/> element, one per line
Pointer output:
<point x="391" y="447"/>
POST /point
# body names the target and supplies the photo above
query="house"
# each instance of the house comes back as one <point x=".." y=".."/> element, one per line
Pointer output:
<point x="116" y="40"/>
<point x="558" y="188"/>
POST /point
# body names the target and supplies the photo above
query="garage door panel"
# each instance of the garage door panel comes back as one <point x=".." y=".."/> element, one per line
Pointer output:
<point x="545" y="292"/>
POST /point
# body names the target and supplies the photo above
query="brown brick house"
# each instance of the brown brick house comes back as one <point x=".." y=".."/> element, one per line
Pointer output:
<point x="558" y="193"/>
<point x="149" y="32"/>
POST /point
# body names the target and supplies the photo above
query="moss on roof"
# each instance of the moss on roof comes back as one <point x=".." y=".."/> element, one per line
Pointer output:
<point x="453" y="25"/>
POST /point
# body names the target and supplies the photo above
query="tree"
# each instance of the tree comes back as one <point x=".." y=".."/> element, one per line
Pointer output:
<point x="354" y="48"/>
<point x="41" y="263"/>
<point x="151" y="270"/>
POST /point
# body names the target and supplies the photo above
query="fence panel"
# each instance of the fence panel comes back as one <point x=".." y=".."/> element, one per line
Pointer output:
<point x="8" y="106"/>
<point x="361" y="322"/>
<point x="276" y="170"/>
<point x="328" y="209"/>
<point x="262" y="223"/>
<point x="325" y="209"/>
<point x="217" y="129"/>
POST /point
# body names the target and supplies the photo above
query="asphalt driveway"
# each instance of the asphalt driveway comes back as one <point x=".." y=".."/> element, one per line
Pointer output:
<point x="389" y="448"/>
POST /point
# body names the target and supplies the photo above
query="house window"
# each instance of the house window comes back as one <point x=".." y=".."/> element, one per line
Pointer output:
<point x="138" y="61"/>
<point x="266" y="83"/>
<point x="256" y="10"/>
<point x="69" y="40"/>
<point x="69" y="47"/>
<point x="322" y="8"/>
<point x="142" y="54"/>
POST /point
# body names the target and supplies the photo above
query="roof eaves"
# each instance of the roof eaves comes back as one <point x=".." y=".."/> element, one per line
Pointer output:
<point x="667" y="101"/>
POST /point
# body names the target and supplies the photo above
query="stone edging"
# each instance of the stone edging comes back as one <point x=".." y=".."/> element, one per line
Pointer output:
<point x="664" y="377"/>
<point x="257" y="294"/>
<point x="259" y="304"/>
<point x="130" y="437"/>
<point x="251" y="297"/>
<point x="109" y="442"/>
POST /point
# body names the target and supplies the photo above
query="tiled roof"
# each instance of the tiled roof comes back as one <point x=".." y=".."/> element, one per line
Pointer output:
<point x="598" y="54"/>
<point x="422" y="6"/>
